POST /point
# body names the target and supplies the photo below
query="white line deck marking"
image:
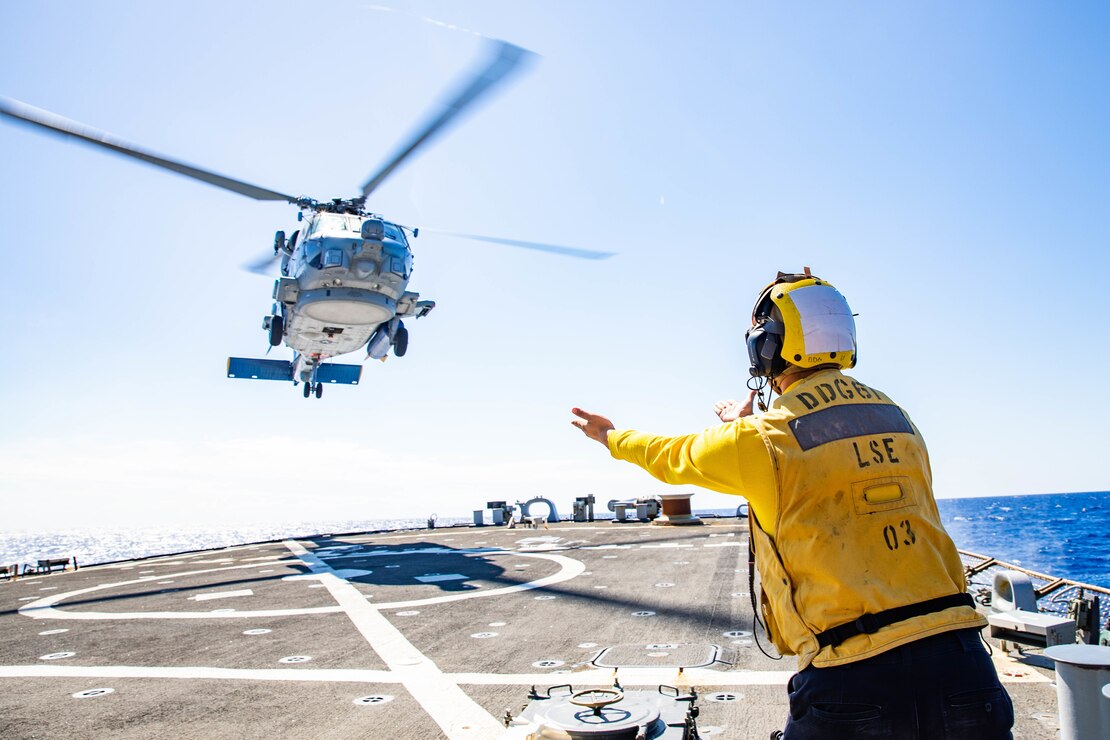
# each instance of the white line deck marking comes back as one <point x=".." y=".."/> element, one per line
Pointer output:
<point x="628" y="676"/>
<point x="44" y="608"/>
<point x="222" y="595"/>
<point x="441" y="577"/>
<point x="457" y="714"/>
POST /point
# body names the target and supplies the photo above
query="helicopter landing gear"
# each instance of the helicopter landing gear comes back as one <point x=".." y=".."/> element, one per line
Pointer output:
<point x="277" y="330"/>
<point x="310" y="388"/>
<point x="307" y="390"/>
<point x="319" y="389"/>
<point x="401" y="341"/>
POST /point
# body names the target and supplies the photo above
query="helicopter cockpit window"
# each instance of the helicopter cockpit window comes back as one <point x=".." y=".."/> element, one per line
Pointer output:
<point x="312" y="250"/>
<point x="392" y="231"/>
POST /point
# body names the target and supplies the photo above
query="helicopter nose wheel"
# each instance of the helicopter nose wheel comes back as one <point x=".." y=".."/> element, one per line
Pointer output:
<point x="310" y="388"/>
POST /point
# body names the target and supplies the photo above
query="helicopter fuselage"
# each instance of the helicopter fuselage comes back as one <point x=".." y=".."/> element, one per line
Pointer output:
<point x="343" y="284"/>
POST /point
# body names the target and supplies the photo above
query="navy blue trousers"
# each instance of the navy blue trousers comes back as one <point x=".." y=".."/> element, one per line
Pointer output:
<point x="943" y="686"/>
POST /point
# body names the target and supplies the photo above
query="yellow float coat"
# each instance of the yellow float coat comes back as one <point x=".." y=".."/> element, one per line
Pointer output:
<point x="838" y="478"/>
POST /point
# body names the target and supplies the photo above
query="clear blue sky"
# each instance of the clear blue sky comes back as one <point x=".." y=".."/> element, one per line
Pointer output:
<point x="946" y="165"/>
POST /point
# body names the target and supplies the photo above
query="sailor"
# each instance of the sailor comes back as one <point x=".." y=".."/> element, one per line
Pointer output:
<point x="858" y="578"/>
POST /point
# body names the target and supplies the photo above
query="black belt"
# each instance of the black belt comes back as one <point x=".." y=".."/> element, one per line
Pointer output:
<point x="869" y="623"/>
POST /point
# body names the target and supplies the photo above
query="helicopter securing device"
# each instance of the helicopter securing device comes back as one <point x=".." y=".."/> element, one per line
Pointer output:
<point x="345" y="273"/>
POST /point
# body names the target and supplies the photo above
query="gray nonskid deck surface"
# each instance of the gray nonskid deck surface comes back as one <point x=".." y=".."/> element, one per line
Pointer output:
<point x="420" y="634"/>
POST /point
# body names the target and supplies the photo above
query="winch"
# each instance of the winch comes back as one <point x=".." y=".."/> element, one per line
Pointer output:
<point x="561" y="713"/>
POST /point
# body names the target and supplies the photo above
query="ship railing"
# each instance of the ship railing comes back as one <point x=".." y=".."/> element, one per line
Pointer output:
<point x="1053" y="594"/>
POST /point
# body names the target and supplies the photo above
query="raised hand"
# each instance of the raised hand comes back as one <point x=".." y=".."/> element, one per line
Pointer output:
<point x="731" y="410"/>
<point x="594" y="426"/>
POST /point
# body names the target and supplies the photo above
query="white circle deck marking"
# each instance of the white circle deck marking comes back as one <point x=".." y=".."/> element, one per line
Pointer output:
<point x="53" y="632"/>
<point x="587" y="645"/>
<point x="483" y="635"/>
<point x="545" y="597"/>
<point x="661" y="646"/>
<point x="497" y="624"/>
<point x="91" y="693"/>
<point x="56" y="656"/>
<point x="408" y="613"/>
<point x="686" y="562"/>
<point x="44" y="607"/>
<point x="548" y="664"/>
<point x="740" y="595"/>
<point x="296" y="659"/>
<point x="609" y="557"/>
<point x="643" y="614"/>
<point x="664" y="585"/>
<point x="260" y="631"/>
<point x="368" y="701"/>
<point x="737" y="633"/>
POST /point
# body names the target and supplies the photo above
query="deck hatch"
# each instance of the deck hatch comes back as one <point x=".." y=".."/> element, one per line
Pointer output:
<point x="655" y="655"/>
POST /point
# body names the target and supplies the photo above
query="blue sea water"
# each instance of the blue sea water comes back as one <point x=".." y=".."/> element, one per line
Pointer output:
<point x="1066" y="535"/>
<point x="1062" y="535"/>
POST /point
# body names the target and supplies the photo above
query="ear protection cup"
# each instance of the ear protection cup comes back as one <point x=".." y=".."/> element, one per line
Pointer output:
<point x="764" y="350"/>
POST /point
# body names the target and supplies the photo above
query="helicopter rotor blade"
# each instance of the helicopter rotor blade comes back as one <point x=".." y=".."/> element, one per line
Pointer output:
<point x="586" y="254"/>
<point x="261" y="265"/>
<point x="66" y="127"/>
<point x="507" y="58"/>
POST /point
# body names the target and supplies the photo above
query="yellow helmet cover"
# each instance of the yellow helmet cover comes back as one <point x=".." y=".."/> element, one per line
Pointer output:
<point x="819" y="328"/>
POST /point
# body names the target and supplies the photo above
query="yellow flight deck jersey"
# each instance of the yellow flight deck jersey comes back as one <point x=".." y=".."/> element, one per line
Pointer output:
<point x="838" y="480"/>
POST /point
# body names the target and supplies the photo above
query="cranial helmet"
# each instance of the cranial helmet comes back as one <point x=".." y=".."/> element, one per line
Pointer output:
<point x="800" y="320"/>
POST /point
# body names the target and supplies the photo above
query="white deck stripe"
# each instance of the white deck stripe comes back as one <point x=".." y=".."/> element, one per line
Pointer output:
<point x="222" y="595"/>
<point x="44" y="607"/>
<point x="601" y="677"/>
<point x="457" y="714"/>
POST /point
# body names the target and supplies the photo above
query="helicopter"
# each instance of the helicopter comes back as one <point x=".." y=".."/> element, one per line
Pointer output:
<point x="344" y="274"/>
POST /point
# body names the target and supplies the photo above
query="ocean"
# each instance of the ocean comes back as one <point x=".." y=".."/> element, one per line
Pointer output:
<point x="1063" y="535"/>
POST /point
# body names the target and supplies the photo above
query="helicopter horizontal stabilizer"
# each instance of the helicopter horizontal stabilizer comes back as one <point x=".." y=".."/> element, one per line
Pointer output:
<point x="328" y="372"/>
<point x="331" y="372"/>
<point x="250" y="369"/>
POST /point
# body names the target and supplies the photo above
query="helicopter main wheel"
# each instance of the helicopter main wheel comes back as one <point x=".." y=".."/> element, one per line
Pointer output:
<point x="307" y="390"/>
<point x="401" y="341"/>
<point x="319" y="389"/>
<point x="277" y="330"/>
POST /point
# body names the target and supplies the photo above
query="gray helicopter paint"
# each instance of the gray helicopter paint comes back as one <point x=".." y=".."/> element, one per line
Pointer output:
<point x="342" y="291"/>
